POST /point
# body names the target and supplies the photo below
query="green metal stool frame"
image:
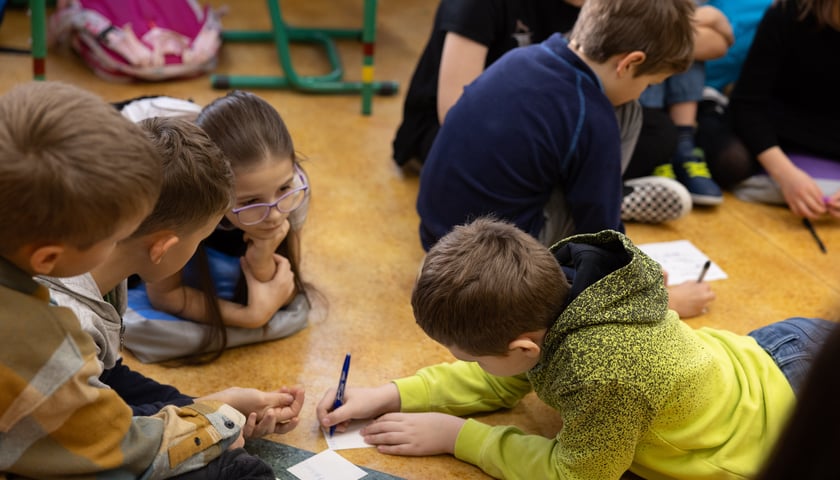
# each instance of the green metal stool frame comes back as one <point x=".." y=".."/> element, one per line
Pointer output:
<point x="38" y="22"/>
<point x="282" y="34"/>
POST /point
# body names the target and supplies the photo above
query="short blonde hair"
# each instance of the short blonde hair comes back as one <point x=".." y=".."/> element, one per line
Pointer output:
<point x="71" y="167"/>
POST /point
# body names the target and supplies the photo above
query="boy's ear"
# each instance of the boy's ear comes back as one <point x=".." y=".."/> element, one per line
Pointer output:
<point x="628" y="63"/>
<point x="161" y="244"/>
<point x="43" y="259"/>
<point x="526" y="344"/>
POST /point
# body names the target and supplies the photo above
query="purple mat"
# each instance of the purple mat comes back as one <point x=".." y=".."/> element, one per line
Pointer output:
<point x="817" y="167"/>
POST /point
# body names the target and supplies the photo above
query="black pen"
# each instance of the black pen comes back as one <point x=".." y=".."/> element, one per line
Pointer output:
<point x="811" y="229"/>
<point x="704" y="270"/>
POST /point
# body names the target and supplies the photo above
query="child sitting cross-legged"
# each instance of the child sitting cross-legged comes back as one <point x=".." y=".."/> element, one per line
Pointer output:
<point x="196" y="191"/>
<point x="638" y="389"/>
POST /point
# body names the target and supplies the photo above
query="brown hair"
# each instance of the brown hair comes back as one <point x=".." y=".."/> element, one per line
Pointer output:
<point x="662" y="29"/>
<point x="484" y="284"/>
<point x="825" y="12"/>
<point x="197" y="179"/>
<point x="249" y="131"/>
<point x="71" y="167"/>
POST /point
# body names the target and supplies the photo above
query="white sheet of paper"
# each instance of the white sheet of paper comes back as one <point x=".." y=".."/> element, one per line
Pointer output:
<point x="682" y="260"/>
<point x="326" y="465"/>
<point x="352" y="438"/>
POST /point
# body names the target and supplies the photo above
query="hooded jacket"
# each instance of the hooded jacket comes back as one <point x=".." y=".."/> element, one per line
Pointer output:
<point x="638" y="389"/>
<point x="99" y="318"/>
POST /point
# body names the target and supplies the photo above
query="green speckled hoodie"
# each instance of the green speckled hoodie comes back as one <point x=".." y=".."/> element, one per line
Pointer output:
<point x="638" y="389"/>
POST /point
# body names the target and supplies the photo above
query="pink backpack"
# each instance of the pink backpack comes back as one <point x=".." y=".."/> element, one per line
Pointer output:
<point x="122" y="40"/>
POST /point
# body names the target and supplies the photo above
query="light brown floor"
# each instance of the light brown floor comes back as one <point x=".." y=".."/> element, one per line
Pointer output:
<point x="361" y="245"/>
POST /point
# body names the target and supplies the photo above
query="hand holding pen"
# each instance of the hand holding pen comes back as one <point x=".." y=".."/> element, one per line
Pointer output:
<point x="704" y="271"/>
<point x="342" y="383"/>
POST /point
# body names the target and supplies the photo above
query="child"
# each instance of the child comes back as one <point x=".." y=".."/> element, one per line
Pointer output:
<point x="714" y="131"/>
<point x="637" y="388"/>
<point x="467" y="37"/>
<point x="259" y="236"/>
<point x="75" y="179"/>
<point x="784" y="111"/>
<point x="535" y="139"/>
<point x="671" y="114"/>
<point x="196" y="192"/>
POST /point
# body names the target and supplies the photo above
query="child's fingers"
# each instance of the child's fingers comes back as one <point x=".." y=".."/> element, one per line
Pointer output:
<point x="279" y="399"/>
<point x="287" y="426"/>
<point x="326" y="403"/>
<point x="266" y="425"/>
<point x="250" y="426"/>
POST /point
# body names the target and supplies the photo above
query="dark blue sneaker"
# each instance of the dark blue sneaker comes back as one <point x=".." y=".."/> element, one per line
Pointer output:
<point x="693" y="172"/>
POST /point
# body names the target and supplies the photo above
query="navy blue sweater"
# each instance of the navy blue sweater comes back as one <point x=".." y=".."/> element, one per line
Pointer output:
<point x="534" y="120"/>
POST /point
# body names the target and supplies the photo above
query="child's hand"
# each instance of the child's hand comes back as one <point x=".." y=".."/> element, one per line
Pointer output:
<point x="261" y="245"/>
<point x="359" y="403"/>
<point x="239" y="442"/>
<point x="833" y="204"/>
<point x="281" y="418"/>
<point x="265" y="241"/>
<point x="803" y="196"/>
<point x="265" y="298"/>
<point x="691" y="298"/>
<point x="266" y="412"/>
<point x="414" y="433"/>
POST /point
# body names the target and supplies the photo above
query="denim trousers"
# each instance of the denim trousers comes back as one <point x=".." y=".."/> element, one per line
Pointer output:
<point x="793" y="344"/>
<point x="679" y="88"/>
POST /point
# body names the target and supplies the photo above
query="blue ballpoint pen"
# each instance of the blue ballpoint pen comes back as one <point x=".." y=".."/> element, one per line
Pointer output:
<point x="339" y="394"/>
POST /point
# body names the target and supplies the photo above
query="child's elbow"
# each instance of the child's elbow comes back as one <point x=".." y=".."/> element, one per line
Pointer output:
<point x="171" y="302"/>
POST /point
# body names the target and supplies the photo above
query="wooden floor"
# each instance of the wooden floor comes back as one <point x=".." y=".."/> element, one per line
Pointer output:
<point x="361" y="247"/>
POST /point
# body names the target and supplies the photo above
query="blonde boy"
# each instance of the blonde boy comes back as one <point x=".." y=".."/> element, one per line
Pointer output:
<point x="75" y="179"/>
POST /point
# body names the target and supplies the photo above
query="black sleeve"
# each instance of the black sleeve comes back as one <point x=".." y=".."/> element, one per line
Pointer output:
<point x="751" y="99"/>
<point x="144" y="395"/>
<point x="478" y="20"/>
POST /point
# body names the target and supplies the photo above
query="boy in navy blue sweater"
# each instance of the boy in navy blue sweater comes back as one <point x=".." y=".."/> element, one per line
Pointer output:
<point x="541" y="121"/>
<point x="535" y="139"/>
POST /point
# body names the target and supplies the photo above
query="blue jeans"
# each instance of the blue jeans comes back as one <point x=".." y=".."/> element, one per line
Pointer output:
<point x="793" y="344"/>
<point x="679" y="88"/>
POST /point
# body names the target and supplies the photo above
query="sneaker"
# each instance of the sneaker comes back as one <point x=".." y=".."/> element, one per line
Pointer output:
<point x="665" y="170"/>
<point x="654" y="200"/>
<point x="694" y="174"/>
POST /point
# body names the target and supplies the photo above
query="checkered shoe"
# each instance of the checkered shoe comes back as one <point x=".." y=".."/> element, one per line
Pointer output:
<point x="654" y="200"/>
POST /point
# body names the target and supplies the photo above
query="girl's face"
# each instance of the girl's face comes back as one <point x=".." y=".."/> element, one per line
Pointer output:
<point x="264" y="183"/>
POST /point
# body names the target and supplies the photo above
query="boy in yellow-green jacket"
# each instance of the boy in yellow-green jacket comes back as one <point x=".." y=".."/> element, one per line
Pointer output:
<point x="638" y="389"/>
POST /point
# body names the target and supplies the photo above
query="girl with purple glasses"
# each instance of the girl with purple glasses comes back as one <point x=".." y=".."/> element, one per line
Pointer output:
<point x="245" y="279"/>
